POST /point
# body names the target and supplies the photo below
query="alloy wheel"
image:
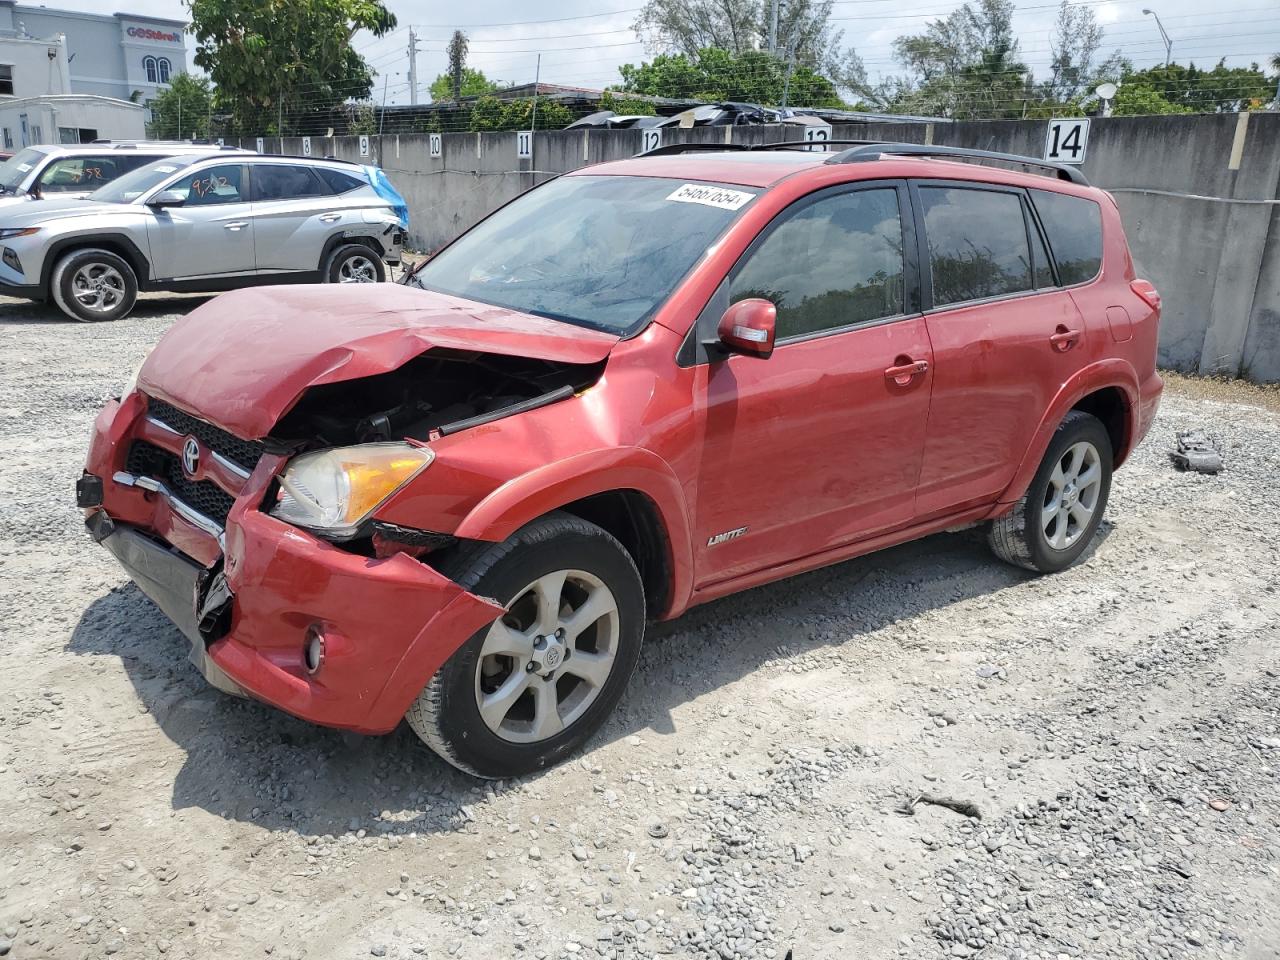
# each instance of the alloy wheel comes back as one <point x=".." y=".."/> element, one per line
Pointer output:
<point x="357" y="269"/>
<point x="1071" y="498"/>
<point x="545" y="662"/>
<point x="98" y="287"/>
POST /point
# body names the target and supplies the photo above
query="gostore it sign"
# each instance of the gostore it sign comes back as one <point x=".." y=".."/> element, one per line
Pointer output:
<point x="149" y="33"/>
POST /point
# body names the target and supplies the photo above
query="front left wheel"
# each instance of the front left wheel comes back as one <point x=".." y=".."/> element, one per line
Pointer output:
<point x="94" y="285"/>
<point x="525" y="692"/>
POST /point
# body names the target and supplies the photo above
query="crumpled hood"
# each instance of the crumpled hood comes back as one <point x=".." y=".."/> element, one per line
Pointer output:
<point x="242" y="360"/>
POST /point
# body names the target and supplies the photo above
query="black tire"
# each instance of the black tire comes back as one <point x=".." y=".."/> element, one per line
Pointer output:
<point x="349" y="255"/>
<point x="106" y="266"/>
<point x="1020" y="536"/>
<point x="446" y="715"/>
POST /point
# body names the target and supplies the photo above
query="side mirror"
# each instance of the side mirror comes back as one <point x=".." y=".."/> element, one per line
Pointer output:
<point x="748" y="327"/>
<point x="168" y="198"/>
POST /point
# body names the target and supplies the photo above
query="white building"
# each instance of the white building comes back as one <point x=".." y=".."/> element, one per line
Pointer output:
<point x="69" y="118"/>
<point x="120" y="55"/>
<point x="69" y="77"/>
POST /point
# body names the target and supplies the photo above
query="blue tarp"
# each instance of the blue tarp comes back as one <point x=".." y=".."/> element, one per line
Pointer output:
<point x="382" y="185"/>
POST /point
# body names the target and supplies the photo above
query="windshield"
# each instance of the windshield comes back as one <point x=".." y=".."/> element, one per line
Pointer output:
<point x="599" y="251"/>
<point x="134" y="184"/>
<point x="18" y="167"/>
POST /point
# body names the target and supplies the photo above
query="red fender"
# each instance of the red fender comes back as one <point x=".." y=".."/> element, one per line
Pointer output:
<point x="533" y="494"/>
<point x="1113" y="372"/>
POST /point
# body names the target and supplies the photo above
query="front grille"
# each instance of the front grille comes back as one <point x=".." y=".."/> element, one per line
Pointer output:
<point x="203" y="496"/>
<point x="243" y="453"/>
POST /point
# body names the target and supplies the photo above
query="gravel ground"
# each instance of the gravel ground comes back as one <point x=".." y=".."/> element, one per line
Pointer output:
<point x="1115" y="727"/>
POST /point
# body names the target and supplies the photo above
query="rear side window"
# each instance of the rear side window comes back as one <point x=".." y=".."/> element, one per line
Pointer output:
<point x="832" y="263"/>
<point x="1074" y="226"/>
<point x="80" y="174"/>
<point x="977" y="244"/>
<point x="274" y="181"/>
<point x="337" y="181"/>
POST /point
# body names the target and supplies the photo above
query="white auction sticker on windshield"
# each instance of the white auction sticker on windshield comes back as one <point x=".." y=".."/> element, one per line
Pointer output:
<point x="165" y="169"/>
<point x="712" y="196"/>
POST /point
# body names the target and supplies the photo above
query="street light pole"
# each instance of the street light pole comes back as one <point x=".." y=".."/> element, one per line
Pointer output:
<point x="1168" y="44"/>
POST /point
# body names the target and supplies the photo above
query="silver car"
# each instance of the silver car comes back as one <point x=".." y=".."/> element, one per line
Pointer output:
<point x="52" y="171"/>
<point x="203" y="223"/>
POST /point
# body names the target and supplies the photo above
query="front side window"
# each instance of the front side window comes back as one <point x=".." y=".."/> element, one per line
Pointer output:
<point x="977" y="243"/>
<point x="1074" y="226"/>
<point x="78" y="174"/>
<point x="210" y="186"/>
<point x="598" y="251"/>
<point x="834" y="262"/>
<point x="276" y="181"/>
<point x="163" y="69"/>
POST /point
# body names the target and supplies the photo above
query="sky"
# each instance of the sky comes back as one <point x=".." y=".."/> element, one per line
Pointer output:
<point x="582" y="43"/>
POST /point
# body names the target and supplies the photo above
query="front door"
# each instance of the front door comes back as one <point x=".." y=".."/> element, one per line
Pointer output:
<point x="820" y="444"/>
<point x="1004" y="336"/>
<point x="211" y="234"/>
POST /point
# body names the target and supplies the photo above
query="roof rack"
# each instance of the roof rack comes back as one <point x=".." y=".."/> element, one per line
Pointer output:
<point x="876" y="151"/>
<point x="865" y="150"/>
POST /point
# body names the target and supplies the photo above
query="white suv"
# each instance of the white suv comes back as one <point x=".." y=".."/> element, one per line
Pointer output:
<point x="200" y="223"/>
<point x="76" y="170"/>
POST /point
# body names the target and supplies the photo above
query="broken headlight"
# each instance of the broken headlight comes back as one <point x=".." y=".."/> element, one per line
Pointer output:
<point x="333" y="492"/>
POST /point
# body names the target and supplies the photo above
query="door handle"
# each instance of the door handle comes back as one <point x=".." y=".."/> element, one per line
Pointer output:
<point x="906" y="369"/>
<point x="330" y="217"/>
<point x="1064" y="339"/>
<point x="236" y="224"/>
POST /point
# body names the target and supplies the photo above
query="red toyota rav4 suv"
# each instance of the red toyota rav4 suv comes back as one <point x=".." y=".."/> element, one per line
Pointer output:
<point x="635" y="388"/>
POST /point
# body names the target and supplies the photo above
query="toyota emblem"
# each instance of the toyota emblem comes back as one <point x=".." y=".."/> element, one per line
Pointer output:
<point x="190" y="456"/>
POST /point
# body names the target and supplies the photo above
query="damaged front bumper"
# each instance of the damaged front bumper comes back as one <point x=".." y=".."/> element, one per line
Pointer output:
<point x="251" y="597"/>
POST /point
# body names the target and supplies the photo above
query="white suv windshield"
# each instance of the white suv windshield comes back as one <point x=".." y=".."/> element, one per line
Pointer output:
<point x="16" y="169"/>
<point x="133" y="185"/>
<point x="598" y="251"/>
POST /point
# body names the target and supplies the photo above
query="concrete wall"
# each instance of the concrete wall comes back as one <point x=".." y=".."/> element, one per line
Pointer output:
<point x="1198" y="196"/>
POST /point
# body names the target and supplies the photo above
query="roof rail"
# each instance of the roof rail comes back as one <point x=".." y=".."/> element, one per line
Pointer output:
<point x="673" y="148"/>
<point x="877" y="151"/>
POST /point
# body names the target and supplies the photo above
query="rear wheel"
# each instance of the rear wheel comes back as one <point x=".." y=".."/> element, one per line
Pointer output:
<point x="1057" y="517"/>
<point x="354" y="263"/>
<point x="94" y="285"/>
<point x="526" y="691"/>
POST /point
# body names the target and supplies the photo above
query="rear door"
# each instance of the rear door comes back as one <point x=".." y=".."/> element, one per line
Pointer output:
<point x="295" y="211"/>
<point x="820" y="444"/>
<point x="1004" y="337"/>
<point x="211" y="234"/>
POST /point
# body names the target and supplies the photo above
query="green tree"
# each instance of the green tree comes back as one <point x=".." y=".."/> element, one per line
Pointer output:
<point x="1139" y="99"/>
<point x="278" y="63"/>
<point x="181" y="111"/>
<point x="474" y="84"/>
<point x="490" y="113"/>
<point x="457" y="53"/>
<point x="627" y="106"/>
<point x="753" y="76"/>
<point x="741" y="28"/>
<point x="1222" y="89"/>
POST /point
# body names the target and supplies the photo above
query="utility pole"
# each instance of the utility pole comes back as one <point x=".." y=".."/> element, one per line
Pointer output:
<point x="786" y="84"/>
<point x="179" y="116"/>
<point x="773" y="27"/>
<point x="280" y="121"/>
<point x="533" y="124"/>
<point x="382" y="114"/>
<point x="413" y="67"/>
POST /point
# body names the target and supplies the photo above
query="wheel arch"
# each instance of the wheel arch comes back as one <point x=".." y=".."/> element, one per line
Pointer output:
<point x="631" y="493"/>
<point x="117" y="243"/>
<point x="1109" y="391"/>
<point x="340" y="239"/>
